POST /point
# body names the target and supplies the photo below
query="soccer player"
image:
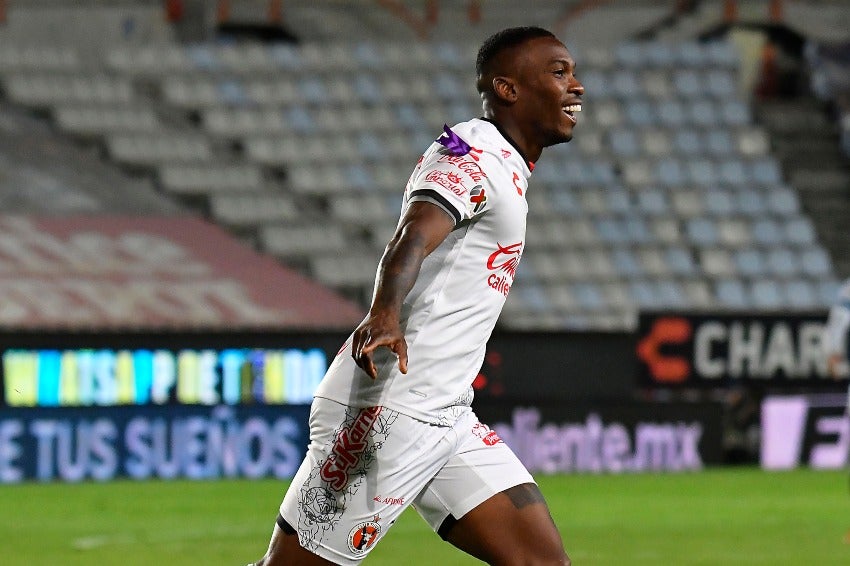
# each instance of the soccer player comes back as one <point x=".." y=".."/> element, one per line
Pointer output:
<point x="391" y="423"/>
<point x="837" y="326"/>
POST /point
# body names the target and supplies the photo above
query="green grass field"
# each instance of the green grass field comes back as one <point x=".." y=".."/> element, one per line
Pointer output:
<point x="732" y="516"/>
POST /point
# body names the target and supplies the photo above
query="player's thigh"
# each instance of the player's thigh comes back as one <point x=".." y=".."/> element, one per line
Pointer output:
<point x="485" y="502"/>
<point x="363" y="468"/>
<point x="511" y="527"/>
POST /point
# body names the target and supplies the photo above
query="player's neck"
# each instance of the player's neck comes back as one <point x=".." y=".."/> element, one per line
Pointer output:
<point x="511" y="129"/>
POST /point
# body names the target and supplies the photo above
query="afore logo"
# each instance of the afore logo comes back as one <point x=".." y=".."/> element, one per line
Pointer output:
<point x="505" y="258"/>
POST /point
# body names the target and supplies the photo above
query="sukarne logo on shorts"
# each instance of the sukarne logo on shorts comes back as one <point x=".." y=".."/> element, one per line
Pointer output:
<point x="349" y="445"/>
<point x="505" y="260"/>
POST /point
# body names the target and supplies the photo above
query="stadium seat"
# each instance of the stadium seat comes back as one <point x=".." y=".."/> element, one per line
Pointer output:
<point x="680" y="261"/>
<point x="716" y="262"/>
<point x="732" y="293"/>
<point x="766" y="294"/>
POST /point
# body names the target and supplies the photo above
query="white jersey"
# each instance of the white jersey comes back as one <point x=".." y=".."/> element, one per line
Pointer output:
<point x="838" y="323"/>
<point x="480" y="179"/>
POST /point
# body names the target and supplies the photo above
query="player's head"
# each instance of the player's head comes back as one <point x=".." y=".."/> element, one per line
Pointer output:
<point x="526" y="77"/>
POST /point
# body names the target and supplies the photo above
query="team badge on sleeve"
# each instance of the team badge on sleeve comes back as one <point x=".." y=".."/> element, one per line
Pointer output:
<point x="477" y="199"/>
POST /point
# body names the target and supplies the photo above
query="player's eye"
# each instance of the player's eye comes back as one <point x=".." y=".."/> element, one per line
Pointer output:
<point x="559" y="73"/>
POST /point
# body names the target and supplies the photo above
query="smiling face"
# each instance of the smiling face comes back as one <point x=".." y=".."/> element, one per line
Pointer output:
<point x="548" y="94"/>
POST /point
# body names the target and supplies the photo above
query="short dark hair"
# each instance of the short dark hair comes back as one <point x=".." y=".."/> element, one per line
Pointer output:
<point x="502" y="40"/>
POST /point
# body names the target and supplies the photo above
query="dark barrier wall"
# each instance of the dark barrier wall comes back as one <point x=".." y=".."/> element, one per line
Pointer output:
<point x="561" y="367"/>
<point x="609" y="437"/>
<point x="197" y="442"/>
<point x="773" y="351"/>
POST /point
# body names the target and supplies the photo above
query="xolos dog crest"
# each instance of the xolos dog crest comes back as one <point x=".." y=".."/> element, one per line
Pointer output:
<point x="363" y="536"/>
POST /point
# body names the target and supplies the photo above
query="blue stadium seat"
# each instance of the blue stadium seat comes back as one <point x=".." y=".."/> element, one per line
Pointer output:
<point x="732" y="293"/>
<point x="751" y="203"/>
<point x="637" y="230"/>
<point x="287" y="57"/>
<point x="734" y="173"/>
<point x="643" y="294"/>
<point x="720" y="83"/>
<point x="702" y="172"/>
<point x="368" y="55"/>
<point x="368" y="90"/>
<point x="750" y="263"/>
<point x="203" y="57"/>
<point x="670" y="294"/>
<point x="640" y="113"/>
<point x="624" y="142"/>
<point x="735" y="113"/>
<point x="589" y="296"/>
<point x="766" y="294"/>
<point x="670" y="172"/>
<point x="800" y="231"/>
<point x="660" y="54"/>
<point x="767" y="232"/>
<point x="564" y="202"/>
<point x="652" y="202"/>
<point x="702" y="232"/>
<point x="688" y="83"/>
<point x="782" y="262"/>
<point x="800" y="293"/>
<point x="720" y="203"/>
<point x="680" y="261"/>
<point x="626" y="263"/>
<point x="827" y="292"/>
<point x="313" y="91"/>
<point x="783" y="202"/>
<point x="719" y="143"/>
<point x="232" y="93"/>
<point x="688" y="142"/>
<point x="690" y="54"/>
<point x="766" y="172"/>
<point x="815" y="262"/>
<point x="703" y="113"/>
<point x="299" y="119"/>
<point x="618" y="201"/>
<point x="625" y="84"/>
<point x="596" y="81"/>
<point x="671" y="113"/>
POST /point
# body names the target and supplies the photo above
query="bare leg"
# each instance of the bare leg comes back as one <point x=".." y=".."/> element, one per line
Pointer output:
<point x="284" y="550"/>
<point x="523" y="532"/>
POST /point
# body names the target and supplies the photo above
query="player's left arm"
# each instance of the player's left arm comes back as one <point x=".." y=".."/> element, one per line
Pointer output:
<point x="423" y="227"/>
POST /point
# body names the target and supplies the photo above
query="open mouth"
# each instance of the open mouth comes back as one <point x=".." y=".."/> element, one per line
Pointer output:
<point x="571" y="110"/>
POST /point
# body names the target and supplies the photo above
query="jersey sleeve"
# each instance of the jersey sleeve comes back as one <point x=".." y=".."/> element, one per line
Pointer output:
<point x="456" y="183"/>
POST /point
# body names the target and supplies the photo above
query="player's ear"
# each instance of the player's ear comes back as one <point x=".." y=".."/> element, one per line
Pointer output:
<point x="505" y="89"/>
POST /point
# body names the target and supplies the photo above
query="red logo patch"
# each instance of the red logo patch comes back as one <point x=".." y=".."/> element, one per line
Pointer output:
<point x="478" y="198"/>
<point x="363" y="537"/>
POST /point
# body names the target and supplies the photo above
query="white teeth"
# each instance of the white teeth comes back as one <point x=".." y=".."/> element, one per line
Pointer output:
<point x="573" y="108"/>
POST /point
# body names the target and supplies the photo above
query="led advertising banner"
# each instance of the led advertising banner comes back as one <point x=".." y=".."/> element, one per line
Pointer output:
<point x="142" y="442"/>
<point x="79" y="370"/>
<point x="39" y="369"/>
<point x="609" y="437"/>
<point x="804" y="430"/>
<point x="689" y="350"/>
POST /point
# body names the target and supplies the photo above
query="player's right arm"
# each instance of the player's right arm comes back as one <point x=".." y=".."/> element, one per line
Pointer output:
<point x="423" y="227"/>
<point x="837" y="327"/>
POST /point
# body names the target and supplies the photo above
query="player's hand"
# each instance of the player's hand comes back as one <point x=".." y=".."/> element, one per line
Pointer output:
<point x="375" y="331"/>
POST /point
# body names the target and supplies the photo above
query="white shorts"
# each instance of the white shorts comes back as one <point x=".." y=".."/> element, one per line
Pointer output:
<point x="365" y="466"/>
